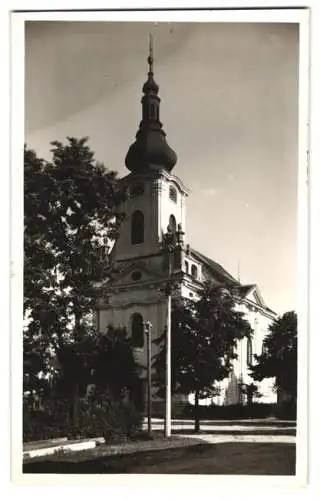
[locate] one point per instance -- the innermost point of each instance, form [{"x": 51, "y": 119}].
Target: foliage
[
  {"x": 250, "y": 391},
  {"x": 204, "y": 338},
  {"x": 279, "y": 355},
  {"x": 103, "y": 416},
  {"x": 231, "y": 412},
  {"x": 40, "y": 424},
  {"x": 100, "y": 416},
  {"x": 70, "y": 211}
]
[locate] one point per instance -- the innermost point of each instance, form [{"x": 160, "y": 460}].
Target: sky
[{"x": 229, "y": 106}]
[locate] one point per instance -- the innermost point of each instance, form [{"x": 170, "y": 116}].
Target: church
[{"x": 155, "y": 207}]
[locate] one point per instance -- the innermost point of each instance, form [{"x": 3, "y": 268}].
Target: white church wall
[
  {"x": 169, "y": 207},
  {"x": 121, "y": 316}
]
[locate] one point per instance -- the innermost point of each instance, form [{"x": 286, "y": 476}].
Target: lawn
[{"x": 200, "y": 458}]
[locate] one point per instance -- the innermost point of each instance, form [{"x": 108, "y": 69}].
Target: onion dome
[{"x": 150, "y": 151}]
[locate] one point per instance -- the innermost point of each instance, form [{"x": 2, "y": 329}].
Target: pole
[
  {"x": 149, "y": 376},
  {"x": 167, "y": 426}
]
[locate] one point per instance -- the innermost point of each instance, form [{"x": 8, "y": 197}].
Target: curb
[{"x": 63, "y": 448}]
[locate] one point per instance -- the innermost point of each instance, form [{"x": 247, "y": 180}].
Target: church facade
[{"x": 136, "y": 292}]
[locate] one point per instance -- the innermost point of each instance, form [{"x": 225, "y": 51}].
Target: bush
[
  {"x": 40, "y": 425},
  {"x": 229, "y": 412},
  {"x": 286, "y": 410},
  {"x": 109, "y": 419},
  {"x": 99, "y": 417}
]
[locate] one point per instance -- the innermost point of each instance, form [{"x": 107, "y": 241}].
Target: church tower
[{"x": 156, "y": 198}]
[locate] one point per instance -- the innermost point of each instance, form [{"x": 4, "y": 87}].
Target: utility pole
[
  {"x": 167, "y": 426},
  {"x": 147, "y": 329}
]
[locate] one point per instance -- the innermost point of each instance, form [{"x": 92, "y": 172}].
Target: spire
[
  {"x": 150, "y": 58},
  {"x": 150, "y": 151}
]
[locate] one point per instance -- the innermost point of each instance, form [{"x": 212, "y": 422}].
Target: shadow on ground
[{"x": 223, "y": 458}]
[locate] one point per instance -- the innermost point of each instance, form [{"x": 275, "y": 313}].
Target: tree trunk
[{"x": 196, "y": 413}]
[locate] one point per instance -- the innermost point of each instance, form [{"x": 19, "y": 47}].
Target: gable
[
  {"x": 133, "y": 274},
  {"x": 255, "y": 296}
]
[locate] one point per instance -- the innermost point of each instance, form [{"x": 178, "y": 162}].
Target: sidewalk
[
  {"x": 224, "y": 431},
  {"x": 250, "y": 427}
]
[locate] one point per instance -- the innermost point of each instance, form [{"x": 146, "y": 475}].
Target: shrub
[
  {"x": 286, "y": 410},
  {"x": 100, "y": 416},
  {"x": 40, "y": 425},
  {"x": 229, "y": 412}
]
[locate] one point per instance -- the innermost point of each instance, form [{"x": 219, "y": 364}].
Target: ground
[{"x": 201, "y": 458}]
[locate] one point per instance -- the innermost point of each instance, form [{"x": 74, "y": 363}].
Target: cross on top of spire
[{"x": 150, "y": 57}]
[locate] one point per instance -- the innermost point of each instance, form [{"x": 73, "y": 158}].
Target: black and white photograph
[{"x": 162, "y": 199}]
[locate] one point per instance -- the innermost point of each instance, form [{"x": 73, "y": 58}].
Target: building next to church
[{"x": 136, "y": 291}]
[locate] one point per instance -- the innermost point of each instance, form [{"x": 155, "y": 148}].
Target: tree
[
  {"x": 279, "y": 355},
  {"x": 115, "y": 370},
  {"x": 204, "y": 337},
  {"x": 250, "y": 391},
  {"x": 70, "y": 210}
]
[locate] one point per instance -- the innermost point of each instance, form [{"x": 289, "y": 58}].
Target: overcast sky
[{"x": 230, "y": 110}]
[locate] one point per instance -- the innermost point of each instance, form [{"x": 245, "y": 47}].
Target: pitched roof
[
  {"x": 244, "y": 290},
  {"x": 215, "y": 269},
  {"x": 222, "y": 276}
]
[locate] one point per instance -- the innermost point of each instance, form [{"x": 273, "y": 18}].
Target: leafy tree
[
  {"x": 250, "y": 391},
  {"x": 279, "y": 355},
  {"x": 70, "y": 210},
  {"x": 204, "y": 337},
  {"x": 114, "y": 370}
]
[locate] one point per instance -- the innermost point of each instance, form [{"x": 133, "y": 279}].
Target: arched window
[
  {"x": 137, "y": 330},
  {"x": 173, "y": 194},
  {"x": 186, "y": 265},
  {"x": 172, "y": 223},
  {"x": 154, "y": 111},
  {"x": 249, "y": 352},
  {"x": 194, "y": 271},
  {"x": 137, "y": 227}
]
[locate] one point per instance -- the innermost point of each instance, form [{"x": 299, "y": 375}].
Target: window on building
[
  {"x": 136, "y": 276},
  {"x": 249, "y": 352},
  {"x": 137, "y": 330},
  {"x": 194, "y": 271},
  {"x": 172, "y": 223},
  {"x": 173, "y": 194},
  {"x": 154, "y": 111},
  {"x": 137, "y": 227},
  {"x": 137, "y": 190},
  {"x": 186, "y": 266}
]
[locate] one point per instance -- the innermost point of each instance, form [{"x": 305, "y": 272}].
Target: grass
[
  {"x": 180, "y": 458},
  {"x": 123, "y": 447}
]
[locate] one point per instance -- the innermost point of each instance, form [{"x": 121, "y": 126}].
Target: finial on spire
[{"x": 150, "y": 58}]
